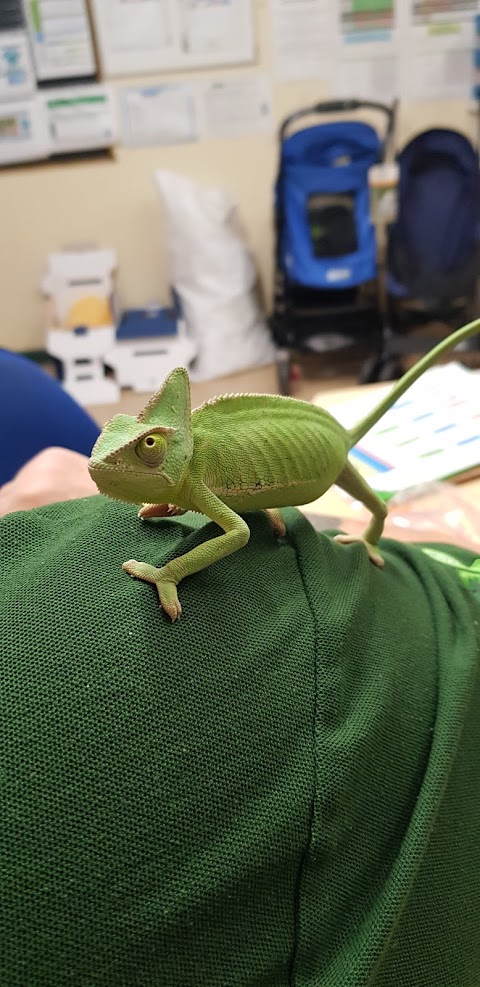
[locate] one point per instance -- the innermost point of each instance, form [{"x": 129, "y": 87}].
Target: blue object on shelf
[{"x": 146, "y": 323}]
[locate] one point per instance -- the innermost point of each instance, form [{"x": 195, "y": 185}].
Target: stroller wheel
[
  {"x": 390, "y": 369},
  {"x": 283, "y": 372}
]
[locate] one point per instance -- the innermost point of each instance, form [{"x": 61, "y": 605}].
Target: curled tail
[{"x": 364, "y": 426}]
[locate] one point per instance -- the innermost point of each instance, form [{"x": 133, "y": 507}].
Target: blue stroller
[
  {"x": 326, "y": 274},
  {"x": 433, "y": 260}
]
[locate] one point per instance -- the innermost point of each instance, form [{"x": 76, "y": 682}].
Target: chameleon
[{"x": 234, "y": 454}]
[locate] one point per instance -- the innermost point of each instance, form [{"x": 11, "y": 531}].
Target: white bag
[{"x": 214, "y": 276}]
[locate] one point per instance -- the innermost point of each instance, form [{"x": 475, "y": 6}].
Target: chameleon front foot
[
  {"x": 166, "y": 588},
  {"x": 159, "y": 510},
  {"x": 373, "y": 550}
]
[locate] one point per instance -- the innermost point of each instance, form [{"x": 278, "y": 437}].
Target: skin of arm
[
  {"x": 54, "y": 474},
  {"x": 236, "y": 454}
]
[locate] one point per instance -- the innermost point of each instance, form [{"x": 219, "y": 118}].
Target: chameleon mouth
[{"x": 124, "y": 485}]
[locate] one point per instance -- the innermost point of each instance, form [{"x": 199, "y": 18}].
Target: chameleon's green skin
[{"x": 235, "y": 454}]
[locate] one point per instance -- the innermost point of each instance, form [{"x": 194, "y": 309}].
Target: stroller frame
[
  {"x": 406, "y": 313},
  {"x": 300, "y": 313}
]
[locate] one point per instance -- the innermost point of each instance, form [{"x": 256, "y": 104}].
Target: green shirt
[{"x": 280, "y": 790}]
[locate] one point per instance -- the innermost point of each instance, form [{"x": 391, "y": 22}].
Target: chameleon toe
[{"x": 373, "y": 551}]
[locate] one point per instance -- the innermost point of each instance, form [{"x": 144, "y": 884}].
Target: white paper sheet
[
  {"x": 162, "y": 114},
  {"x": 211, "y": 26},
  {"x": 80, "y": 118},
  {"x": 234, "y": 107},
  {"x": 142, "y": 36},
  {"x": 302, "y": 37},
  {"x": 437, "y": 25},
  {"x": 437, "y": 50},
  {"x": 376, "y": 78},
  {"x": 16, "y": 70},
  {"x": 61, "y": 39},
  {"x": 368, "y": 32},
  {"x": 23, "y": 131},
  {"x": 135, "y": 25},
  {"x": 437, "y": 75}
]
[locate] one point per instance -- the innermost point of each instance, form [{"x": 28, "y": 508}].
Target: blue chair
[{"x": 35, "y": 413}]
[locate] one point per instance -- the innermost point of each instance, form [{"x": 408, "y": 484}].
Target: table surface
[{"x": 334, "y": 503}]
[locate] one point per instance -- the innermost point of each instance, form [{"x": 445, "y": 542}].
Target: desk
[{"x": 337, "y": 505}]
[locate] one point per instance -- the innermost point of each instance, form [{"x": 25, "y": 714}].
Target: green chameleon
[{"x": 235, "y": 454}]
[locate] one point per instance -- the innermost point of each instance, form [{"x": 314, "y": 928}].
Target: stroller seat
[
  {"x": 433, "y": 255},
  {"x": 326, "y": 283},
  {"x": 327, "y": 239}
]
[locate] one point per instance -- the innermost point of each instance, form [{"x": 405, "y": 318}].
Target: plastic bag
[{"x": 214, "y": 277}]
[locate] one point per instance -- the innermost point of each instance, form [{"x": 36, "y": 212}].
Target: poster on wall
[
  {"x": 80, "y": 118},
  {"x": 237, "y": 106},
  {"x": 138, "y": 37},
  {"x": 370, "y": 78},
  {"x": 442, "y": 24},
  {"x": 302, "y": 32},
  {"x": 61, "y": 39},
  {"x": 371, "y": 23},
  {"x": 158, "y": 115},
  {"x": 23, "y": 131},
  {"x": 439, "y": 40},
  {"x": 16, "y": 70}
]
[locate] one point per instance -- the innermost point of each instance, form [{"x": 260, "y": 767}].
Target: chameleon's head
[{"x": 144, "y": 459}]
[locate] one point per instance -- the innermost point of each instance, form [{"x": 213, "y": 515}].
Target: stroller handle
[{"x": 344, "y": 106}]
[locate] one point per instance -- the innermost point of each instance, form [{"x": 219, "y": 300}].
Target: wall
[{"x": 115, "y": 203}]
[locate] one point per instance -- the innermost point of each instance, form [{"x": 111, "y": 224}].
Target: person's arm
[{"x": 52, "y": 475}]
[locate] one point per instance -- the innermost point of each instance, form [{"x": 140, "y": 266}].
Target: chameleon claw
[
  {"x": 277, "y": 522},
  {"x": 373, "y": 551},
  {"x": 166, "y": 588},
  {"x": 159, "y": 510}
]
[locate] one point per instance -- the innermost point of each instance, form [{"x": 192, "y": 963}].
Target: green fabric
[{"x": 281, "y": 789}]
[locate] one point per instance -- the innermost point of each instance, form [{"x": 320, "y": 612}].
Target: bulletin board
[{"x": 147, "y": 36}]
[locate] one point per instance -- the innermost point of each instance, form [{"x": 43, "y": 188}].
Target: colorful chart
[{"x": 367, "y": 20}]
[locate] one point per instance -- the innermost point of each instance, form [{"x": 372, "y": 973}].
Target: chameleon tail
[{"x": 410, "y": 377}]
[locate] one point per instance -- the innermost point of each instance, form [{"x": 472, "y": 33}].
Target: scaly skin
[{"x": 233, "y": 455}]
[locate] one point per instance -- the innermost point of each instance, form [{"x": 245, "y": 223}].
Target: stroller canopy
[
  {"x": 326, "y": 238},
  {"x": 433, "y": 246}
]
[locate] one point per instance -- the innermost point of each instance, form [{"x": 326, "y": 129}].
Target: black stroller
[{"x": 433, "y": 259}]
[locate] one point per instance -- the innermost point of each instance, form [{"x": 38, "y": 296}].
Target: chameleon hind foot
[
  {"x": 166, "y": 588},
  {"x": 373, "y": 550},
  {"x": 277, "y": 522}
]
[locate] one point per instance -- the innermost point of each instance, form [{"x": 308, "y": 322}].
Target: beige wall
[{"x": 115, "y": 203}]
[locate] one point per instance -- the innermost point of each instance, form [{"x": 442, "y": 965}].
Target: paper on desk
[
  {"x": 237, "y": 106},
  {"x": 431, "y": 433},
  {"x": 162, "y": 114}
]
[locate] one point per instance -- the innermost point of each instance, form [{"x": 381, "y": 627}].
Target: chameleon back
[{"x": 260, "y": 450}]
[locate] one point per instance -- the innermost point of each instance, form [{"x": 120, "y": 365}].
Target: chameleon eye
[{"x": 151, "y": 449}]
